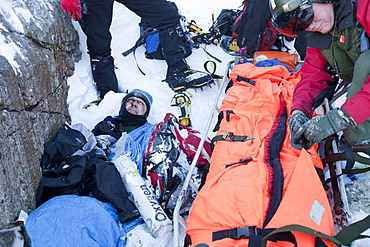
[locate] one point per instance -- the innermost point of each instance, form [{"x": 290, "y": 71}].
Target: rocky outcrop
[{"x": 38, "y": 48}]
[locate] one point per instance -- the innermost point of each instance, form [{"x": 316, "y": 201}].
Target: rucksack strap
[
  {"x": 138, "y": 43},
  {"x": 345, "y": 237}
]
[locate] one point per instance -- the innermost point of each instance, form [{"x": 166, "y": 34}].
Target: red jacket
[
  {"x": 314, "y": 78},
  {"x": 363, "y": 10}
]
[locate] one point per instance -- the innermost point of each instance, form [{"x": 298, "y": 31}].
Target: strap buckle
[
  {"x": 229, "y": 136},
  {"x": 236, "y": 233},
  {"x": 244, "y": 232}
]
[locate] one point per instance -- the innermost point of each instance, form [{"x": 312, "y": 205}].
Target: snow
[
  {"x": 8, "y": 11},
  {"x": 125, "y": 32},
  {"x": 9, "y": 51}
]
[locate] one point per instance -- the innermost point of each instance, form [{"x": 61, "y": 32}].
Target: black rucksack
[
  {"x": 249, "y": 28},
  {"x": 225, "y": 21},
  {"x": 150, "y": 39}
]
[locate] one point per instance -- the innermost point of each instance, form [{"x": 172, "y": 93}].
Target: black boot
[
  {"x": 104, "y": 75},
  {"x": 180, "y": 77}
]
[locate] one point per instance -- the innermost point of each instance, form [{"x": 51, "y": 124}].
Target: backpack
[
  {"x": 150, "y": 38},
  {"x": 151, "y": 41},
  {"x": 268, "y": 38},
  {"x": 225, "y": 21},
  {"x": 249, "y": 27}
]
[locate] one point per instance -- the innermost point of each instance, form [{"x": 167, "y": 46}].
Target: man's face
[
  {"x": 135, "y": 106},
  {"x": 323, "y": 20}
]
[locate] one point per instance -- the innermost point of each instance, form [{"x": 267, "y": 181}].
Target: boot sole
[{"x": 195, "y": 86}]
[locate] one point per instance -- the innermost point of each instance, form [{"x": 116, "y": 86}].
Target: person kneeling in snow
[{"x": 337, "y": 49}]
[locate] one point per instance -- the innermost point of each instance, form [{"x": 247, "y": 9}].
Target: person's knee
[
  {"x": 167, "y": 16},
  {"x": 363, "y": 62},
  {"x": 362, "y": 68}
]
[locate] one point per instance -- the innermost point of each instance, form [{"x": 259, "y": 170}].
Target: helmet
[{"x": 291, "y": 16}]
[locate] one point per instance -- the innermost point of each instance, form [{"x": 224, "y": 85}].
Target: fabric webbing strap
[
  {"x": 344, "y": 237},
  {"x": 254, "y": 235},
  {"x": 229, "y": 137},
  {"x": 236, "y": 233},
  {"x": 350, "y": 157}
]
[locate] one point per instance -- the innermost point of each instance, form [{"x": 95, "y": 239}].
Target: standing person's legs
[
  {"x": 164, "y": 16},
  {"x": 95, "y": 23}
]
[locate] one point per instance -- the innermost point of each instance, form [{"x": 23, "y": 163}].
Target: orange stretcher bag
[{"x": 257, "y": 182}]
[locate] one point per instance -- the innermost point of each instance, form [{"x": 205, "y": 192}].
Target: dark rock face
[{"x": 38, "y": 49}]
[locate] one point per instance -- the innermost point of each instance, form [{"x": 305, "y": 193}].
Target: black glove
[
  {"x": 295, "y": 122},
  {"x": 318, "y": 128},
  {"x": 109, "y": 126}
]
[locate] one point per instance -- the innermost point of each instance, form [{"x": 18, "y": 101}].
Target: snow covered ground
[{"x": 125, "y": 31}]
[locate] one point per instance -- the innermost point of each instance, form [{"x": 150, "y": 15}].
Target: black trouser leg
[
  {"x": 172, "y": 46},
  {"x": 103, "y": 72},
  {"x": 95, "y": 24}
]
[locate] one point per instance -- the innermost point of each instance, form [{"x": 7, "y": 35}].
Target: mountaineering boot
[
  {"x": 180, "y": 77},
  {"x": 102, "y": 68}
]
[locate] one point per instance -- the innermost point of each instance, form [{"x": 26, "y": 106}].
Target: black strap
[
  {"x": 240, "y": 78},
  {"x": 345, "y": 237},
  {"x": 209, "y": 54},
  {"x": 241, "y": 161},
  {"x": 321, "y": 175},
  {"x": 259, "y": 237},
  {"x": 219, "y": 119},
  {"x": 236, "y": 233},
  {"x": 138, "y": 43},
  {"x": 229, "y": 137},
  {"x": 132, "y": 49},
  {"x": 213, "y": 66},
  {"x": 350, "y": 158},
  {"x": 228, "y": 113},
  {"x": 187, "y": 240},
  {"x": 254, "y": 234}
]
